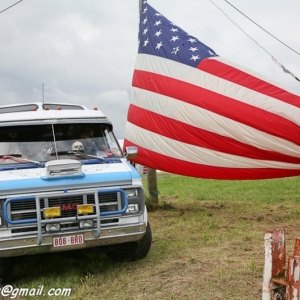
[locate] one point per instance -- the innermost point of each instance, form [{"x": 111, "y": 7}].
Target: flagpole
[
  {"x": 151, "y": 173},
  {"x": 140, "y": 5}
]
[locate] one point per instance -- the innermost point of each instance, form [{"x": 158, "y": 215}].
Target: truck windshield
[{"x": 41, "y": 143}]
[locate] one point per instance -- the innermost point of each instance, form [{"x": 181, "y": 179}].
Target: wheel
[
  {"x": 6, "y": 267},
  {"x": 134, "y": 250}
]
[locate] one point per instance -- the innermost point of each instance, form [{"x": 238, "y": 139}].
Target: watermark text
[{"x": 13, "y": 292}]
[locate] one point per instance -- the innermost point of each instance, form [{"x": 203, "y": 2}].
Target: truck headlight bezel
[
  {"x": 133, "y": 208},
  {"x": 84, "y": 224},
  {"x": 132, "y": 193},
  {"x": 136, "y": 200},
  {"x": 52, "y": 227}
]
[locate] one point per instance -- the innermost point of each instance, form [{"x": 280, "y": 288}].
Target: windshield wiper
[
  {"x": 76, "y": 153},
  {"x": 17, "y": 157}
]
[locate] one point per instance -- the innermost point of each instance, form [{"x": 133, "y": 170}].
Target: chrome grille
[{"x": 23, "y": 210}]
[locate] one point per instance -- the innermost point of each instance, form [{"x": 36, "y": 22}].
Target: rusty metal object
[
  {"x": 274, "y": 269},
  {"x": 280, "y": 282}
]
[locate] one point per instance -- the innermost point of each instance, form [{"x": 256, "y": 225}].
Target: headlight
[
  {"x": 53, "y": 227},
  {"x": 132, "y": 193},
  {"x": 132, "y": 209},
  {"x": 86, "y": 224}
]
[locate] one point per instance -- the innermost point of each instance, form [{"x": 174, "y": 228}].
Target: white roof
[{"x": 42, "y": 114}]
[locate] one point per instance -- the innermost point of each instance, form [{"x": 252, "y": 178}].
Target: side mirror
[{"x": 131, "y": 152}]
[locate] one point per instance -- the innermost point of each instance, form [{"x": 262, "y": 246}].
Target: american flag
[{"x": 195, "y": 113}]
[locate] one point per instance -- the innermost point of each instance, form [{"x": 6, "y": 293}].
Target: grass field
[{"x": 208, "y": 243}]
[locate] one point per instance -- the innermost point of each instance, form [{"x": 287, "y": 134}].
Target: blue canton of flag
[{"x": 158, "y": 36}]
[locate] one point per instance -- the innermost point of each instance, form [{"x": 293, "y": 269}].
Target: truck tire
[
  {"x": 6, "y": 267},
  {"x": 134, "y": 250}
]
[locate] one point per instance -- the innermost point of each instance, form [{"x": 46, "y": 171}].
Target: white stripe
[
  {"x": 179, "y": 71},
  {"x": 193, "y": 154},
  {"x": 250, "y": 72},
  {"x": 210, "y": 121}
]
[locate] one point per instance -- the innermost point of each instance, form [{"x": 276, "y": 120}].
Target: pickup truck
[{"x": 66, "y": 184}]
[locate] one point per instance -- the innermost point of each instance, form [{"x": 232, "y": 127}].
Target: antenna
[{"x": 43, "y": 94}]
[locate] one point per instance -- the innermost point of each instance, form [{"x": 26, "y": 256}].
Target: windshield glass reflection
[{"x": 41, "y": 143}]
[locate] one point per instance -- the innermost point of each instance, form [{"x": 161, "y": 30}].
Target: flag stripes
[
  {"x": 167, "y": 154},
  {"x": 189, "y": 134},
  {"x": 233, "y": 73},
  {"x": 217, "y": 85},
  {"x": 197, "y": 114}
]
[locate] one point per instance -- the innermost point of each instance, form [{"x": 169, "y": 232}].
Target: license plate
[{"x": 68, "y": 240}]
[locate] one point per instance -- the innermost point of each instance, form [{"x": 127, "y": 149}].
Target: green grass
[
  {"x": 191, "y": 189},
  {"x": 208, "y": 243}
]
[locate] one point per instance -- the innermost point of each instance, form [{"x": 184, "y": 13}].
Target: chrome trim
[
  {"x": 131, "y": 152},
  {"x": 109, "y": 236}
]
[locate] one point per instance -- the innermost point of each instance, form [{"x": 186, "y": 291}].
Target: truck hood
[{"x": 92, "y": 176}]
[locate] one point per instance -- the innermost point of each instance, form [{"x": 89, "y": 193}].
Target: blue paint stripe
[
  {"x": 134, "y": 173},
  {"x": 42, "y": 164},
  {"x": 33, "y": 183}
]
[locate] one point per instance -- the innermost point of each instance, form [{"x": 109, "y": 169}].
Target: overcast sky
[{"x": 84, "y": 51}]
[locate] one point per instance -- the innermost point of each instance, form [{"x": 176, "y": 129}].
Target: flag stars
[
  {"x": 158, "y": 45},
  {"x": 192, "y": 40},
  {"x": 158, "y": 33},
  {"x": 193, "y": 49},
  {"x": 175, "y": 50},
  {"x": 145, "y": 20},
  {"x": 195, "y": 57},
  {"x": 157, "y": 23},
  {"x": 158, "y": 36},
  {"x": 145, "y": 31},
  {"x": 174, "y": 38}
]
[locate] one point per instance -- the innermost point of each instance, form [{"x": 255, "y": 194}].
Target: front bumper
[{"x": 108, "y": 236}]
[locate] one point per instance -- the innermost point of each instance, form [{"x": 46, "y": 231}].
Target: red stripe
[
  {"x": 176, "y": 166},
  {"x": 195, "y": 136},
  {"x": 225, "y": 106},
  {"x": 239, "y": 77}
]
